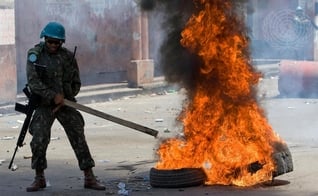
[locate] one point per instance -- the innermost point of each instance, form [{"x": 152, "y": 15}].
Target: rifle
[{"x": 27, "y": 109}]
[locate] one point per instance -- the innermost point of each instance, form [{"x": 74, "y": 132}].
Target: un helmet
[
  {"x": 53, "y": 30},
  {"x": 299, "y": 8}
]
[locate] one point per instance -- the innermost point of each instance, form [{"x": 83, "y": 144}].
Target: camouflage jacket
[{"x": 49, "y": 74}]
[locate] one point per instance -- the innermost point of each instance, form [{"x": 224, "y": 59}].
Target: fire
[{"x": 225, "y": 131}]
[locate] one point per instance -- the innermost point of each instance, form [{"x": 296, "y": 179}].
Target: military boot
[
  {"x": 38, "y": 183},
  {"x": 90, "y": 181}
]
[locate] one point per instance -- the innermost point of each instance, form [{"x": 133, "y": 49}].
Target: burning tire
[
  {"x": 283, "y": 159},
  {"x": 177, "y": 178}
]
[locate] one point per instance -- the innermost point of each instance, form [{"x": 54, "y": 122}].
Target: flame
[{"x": 225, "y": 131}]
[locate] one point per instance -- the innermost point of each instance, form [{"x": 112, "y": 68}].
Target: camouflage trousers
[{"x": 73, "y": 124}]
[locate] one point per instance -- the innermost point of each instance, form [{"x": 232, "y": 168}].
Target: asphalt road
[{"x": 125, "y": 156}]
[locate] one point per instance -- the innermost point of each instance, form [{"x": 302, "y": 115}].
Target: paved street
[{"x": 124, "y": 155}]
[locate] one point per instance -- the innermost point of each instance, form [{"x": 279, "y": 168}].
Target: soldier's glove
[{"x": 59, "y": 99}]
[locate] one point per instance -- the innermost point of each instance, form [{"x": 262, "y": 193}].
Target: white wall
[{"x": 7, "y": 34}]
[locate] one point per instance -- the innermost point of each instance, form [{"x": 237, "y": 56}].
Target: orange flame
[{"x": 225, "y": 130}]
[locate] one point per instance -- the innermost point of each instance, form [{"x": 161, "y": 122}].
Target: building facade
[{"x": 112, "y": 36}]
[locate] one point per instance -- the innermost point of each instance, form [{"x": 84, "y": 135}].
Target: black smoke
[
  {"x": 177, "y": 63},
  {"x": 147, "y": 4}
]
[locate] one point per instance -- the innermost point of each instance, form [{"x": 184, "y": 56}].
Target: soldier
[{"x": 53, "y": 74}]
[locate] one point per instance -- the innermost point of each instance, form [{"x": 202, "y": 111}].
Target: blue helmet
[
  {"x": 299, "y": 8},
  {"x": 53, "y": 30}
]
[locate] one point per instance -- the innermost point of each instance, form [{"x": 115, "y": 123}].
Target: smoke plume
[{"x": 178, "y": 64}]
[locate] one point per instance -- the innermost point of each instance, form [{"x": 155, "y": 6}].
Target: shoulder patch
[{"x": 32, "y": 57}]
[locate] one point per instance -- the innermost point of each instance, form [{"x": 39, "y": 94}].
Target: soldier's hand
[{"x": 59, "y": 99}]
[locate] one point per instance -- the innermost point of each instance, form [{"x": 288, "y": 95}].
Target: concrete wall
[
  {"x": 8, "y": 82},
  {"x": 275, "y": 34},
  {"x": 101, "y": 30}
]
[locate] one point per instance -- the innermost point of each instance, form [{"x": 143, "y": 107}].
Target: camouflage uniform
[{"x": 48, "y": 74}]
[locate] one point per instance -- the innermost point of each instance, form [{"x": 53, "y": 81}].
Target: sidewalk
[{"x": 102, "y": 92}]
